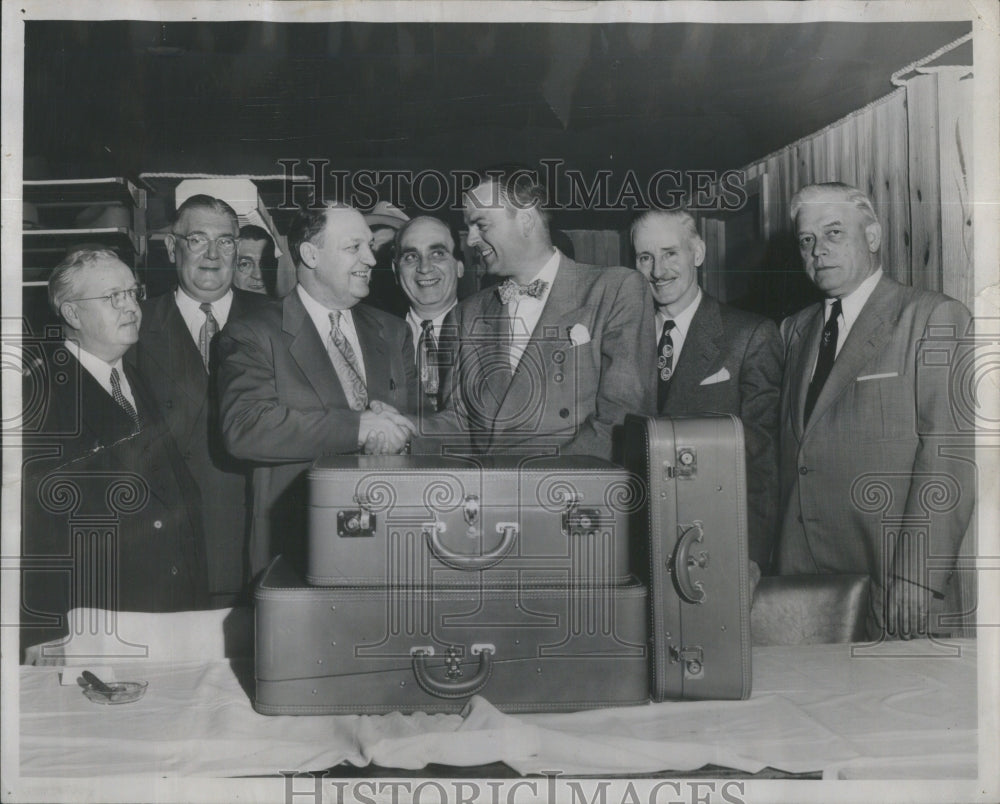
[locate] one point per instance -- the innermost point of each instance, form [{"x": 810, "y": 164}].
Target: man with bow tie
[
  {"x": 876, "y": 476},
  {"x": 111, "y": 513},
  {"x": 315, "y": 374},
  {"x": 552, "y": 359},
  {"x": 712, "y": 358},
  {"x": 428, "y": 269}
]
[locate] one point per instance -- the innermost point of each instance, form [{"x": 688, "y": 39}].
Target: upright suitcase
[
  {"x": 427, "y": 520},
  {"x": 353, "y": 650},
  {"x": 695, "y": 558}
]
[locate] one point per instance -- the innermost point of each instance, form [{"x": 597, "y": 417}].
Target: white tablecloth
[{"x": 898, "y": 710}]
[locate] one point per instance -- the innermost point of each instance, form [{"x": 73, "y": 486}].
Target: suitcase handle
[
  {"x": 691, "y": 592},
  {"x": 471, "y": 562},
  {"x": 451, "y": 687}
]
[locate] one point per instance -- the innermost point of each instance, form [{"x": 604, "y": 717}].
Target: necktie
[
  {"x": 345, "y": 362},
  {"x": 664, "y": 362},
  {"x": 429, "y": 363},
  {"x": 827, "y": 354},
  {"x": 510, "y": 290},
  {"x": 208, "y": 331},
  {"x": 122, "y": 400}
]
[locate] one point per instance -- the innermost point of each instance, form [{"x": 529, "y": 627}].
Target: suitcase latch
[
  {"x": 576, "y": 519},
  {"x": 693, "y": 658},
  {"x": 355, "y": 522},
  {"x": 470, "y": 510},
  {"x": 685, "y": 465}
]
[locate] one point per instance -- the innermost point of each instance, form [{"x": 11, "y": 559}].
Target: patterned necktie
[
  {"x": 664, "y": 362},
  {"x": 345, "y": 362},
  {"x": 122, "y": 400},
  {"x": 824, "y": 363},
  {"x": 510, "y": 290},
  {"x": 208, "y": 331},
  {"x": 429, "y": 363}
]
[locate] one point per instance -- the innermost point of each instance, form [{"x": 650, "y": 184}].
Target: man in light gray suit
[
  {"x": 874, "y": 477},
  {"x": 713, "y": 358}
]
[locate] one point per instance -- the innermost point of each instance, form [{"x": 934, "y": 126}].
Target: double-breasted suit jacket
[
  {"x": 582, "y": 370},
  {"x": 110, "y": 516},
  {"x": 170, "y": 359},
  {"x": 731, "y": 363},
  {"x": 282, "y": 406},
  {"x": 883, "y": 453}
]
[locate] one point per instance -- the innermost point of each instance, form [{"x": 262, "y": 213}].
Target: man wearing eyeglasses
[
  {"x": 97, "y": 450},
  {"x": 428, "y": 272},
  {"x": 175, "y": 352}
]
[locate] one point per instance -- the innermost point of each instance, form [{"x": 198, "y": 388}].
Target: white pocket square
[
  {"x": 720, "y": 376},
  {"x": 579, "y": 335},
  {"x": 878, "y": 376}
]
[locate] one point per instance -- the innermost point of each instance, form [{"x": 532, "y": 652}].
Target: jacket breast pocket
[{"x": 885, "y": 408}]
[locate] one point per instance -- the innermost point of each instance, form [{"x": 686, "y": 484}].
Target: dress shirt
[
  {"x": 100, "y": 370},
  {"x": 850, "y": 309},
  {"x": 682, "y": 323},
  {"x": 194, "y": 316},
  {"x": 320, "y": 316},
  {"x": 524, "y": 311},
  {"x": 417, "y": 330}
]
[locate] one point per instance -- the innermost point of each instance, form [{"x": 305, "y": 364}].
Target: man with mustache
[
  {"x": 176, "y": 353},
  {"x": 712, "y": 358},
  {"x": 428, "y": 271},
  {"x": 551, "y": 360},
  {"x": 316, "y": 374},
  {"x": 111, "y": 513},
  {"x": 876, "y": 477}
]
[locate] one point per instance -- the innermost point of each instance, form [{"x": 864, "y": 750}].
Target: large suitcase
[
  {"x": 422, "y": 519},
  {"x": 339, "y": 650},
  {"x": 695, "y": 558}
]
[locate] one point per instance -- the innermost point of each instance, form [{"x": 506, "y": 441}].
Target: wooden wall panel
[
  {"x": 925, "y": 178},
  {"x": 955, "y": 148}
]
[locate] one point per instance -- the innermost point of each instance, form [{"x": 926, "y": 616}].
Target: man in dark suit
[
  {"x": 317, "y": 374},
  {"x": 428, "y": 268},
  {"x": 874, "y": 475},
  {"x": 713, "y": 359},
  {"x": 110, "y": 511},
  {"x": 552, "y": 359},
  {"x": 175, "y": 354}
]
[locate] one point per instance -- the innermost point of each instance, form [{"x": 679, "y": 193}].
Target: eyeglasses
[
  {"x": 117, "y": 299},
  {"x": 199, "y": 243},
  {"x": 245, "y": 265}
]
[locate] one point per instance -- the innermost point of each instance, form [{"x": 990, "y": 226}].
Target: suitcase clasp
[
  {"x": 692, "y": 656},
  {"x": 685, "y": 466},
  {"x": 355, "y": 522},
  {"x": 470, "y": 510}
]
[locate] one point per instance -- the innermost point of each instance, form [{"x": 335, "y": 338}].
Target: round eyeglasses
[
  {"x": 118, "y": 297},
  {"x": 199, "y": 243}
]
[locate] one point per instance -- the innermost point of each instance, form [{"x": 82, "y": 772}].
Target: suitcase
[
  {"x": 343, "y": 650},
  {"x": 426, "y": 520},
  {"x": 691, "y": 536}
]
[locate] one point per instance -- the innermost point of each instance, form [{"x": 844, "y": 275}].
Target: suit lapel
[
  {"x": 373, "y": 352},
  {"x": 803, "y": 349},
  {"x": 489, "y": 344},
  {"x": 866, "y": 338},
  {"x": 171, "y": 348},
  {"x": 309, "y": 352},
  {"x": 700, "y": 351},
  {"x": 100, "y": 413}
]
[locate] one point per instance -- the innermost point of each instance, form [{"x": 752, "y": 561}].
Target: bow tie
[{"x": 510, "y": 290}]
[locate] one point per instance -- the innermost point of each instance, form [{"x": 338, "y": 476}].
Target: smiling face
[
  {"x": 100, "y": 328},
  {"x": 668, "y": 255},
  {"x": 207, "y": 276},
  {"x": 838, "y": 244},
  {"x": 339, "y": 260},
  {"x": 496, "y": 232},
  {"x": 426, "y": 267}
]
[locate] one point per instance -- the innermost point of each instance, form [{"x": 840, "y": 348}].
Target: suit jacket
[
  {"x": 567, "y": 393},
  {"x": 731, "y": 363},
  {"x": 110, "y": 517},
  {"x": 282, "y": 406},
  {"x": 169, "y": 358},
  {"x": 882, "y": 444}
]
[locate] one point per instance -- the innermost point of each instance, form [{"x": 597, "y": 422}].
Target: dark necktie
[
  {"x": 827, "y": 354},
  {"x": 510, "y": 290},
  {"x": 664, "y": 362},
  {"x": 208, "y": 331},
  {"x": 429, "y": 364},
  {"x": 122, "y": 400}
]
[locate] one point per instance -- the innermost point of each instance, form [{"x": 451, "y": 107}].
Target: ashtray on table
[{"x": 122, "y": 692}]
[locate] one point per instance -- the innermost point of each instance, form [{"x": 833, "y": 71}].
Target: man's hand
[
  {"x": 907, "y": 609},
  {"x": 385, "y": 431}
]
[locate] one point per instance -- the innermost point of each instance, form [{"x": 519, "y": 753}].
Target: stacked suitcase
[{"x": 543, "y": 584}]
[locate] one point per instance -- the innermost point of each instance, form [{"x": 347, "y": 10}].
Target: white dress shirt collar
[
  {"x": 524, "y": 311},
  {"x": 320, "y": 316},
  {"x": 682, "y": 323},
  {"x": 100, "y": 369},
  {"x": 194, "y": 318},
  {"x": 851, "y": 306},
  {"x": 415, "y": 321}
]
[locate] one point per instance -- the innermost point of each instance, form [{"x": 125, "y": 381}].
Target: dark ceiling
[{"x": 128, "y": 97}]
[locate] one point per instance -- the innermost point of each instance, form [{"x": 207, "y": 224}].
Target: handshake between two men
[{"x": 383, "y": 430}]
